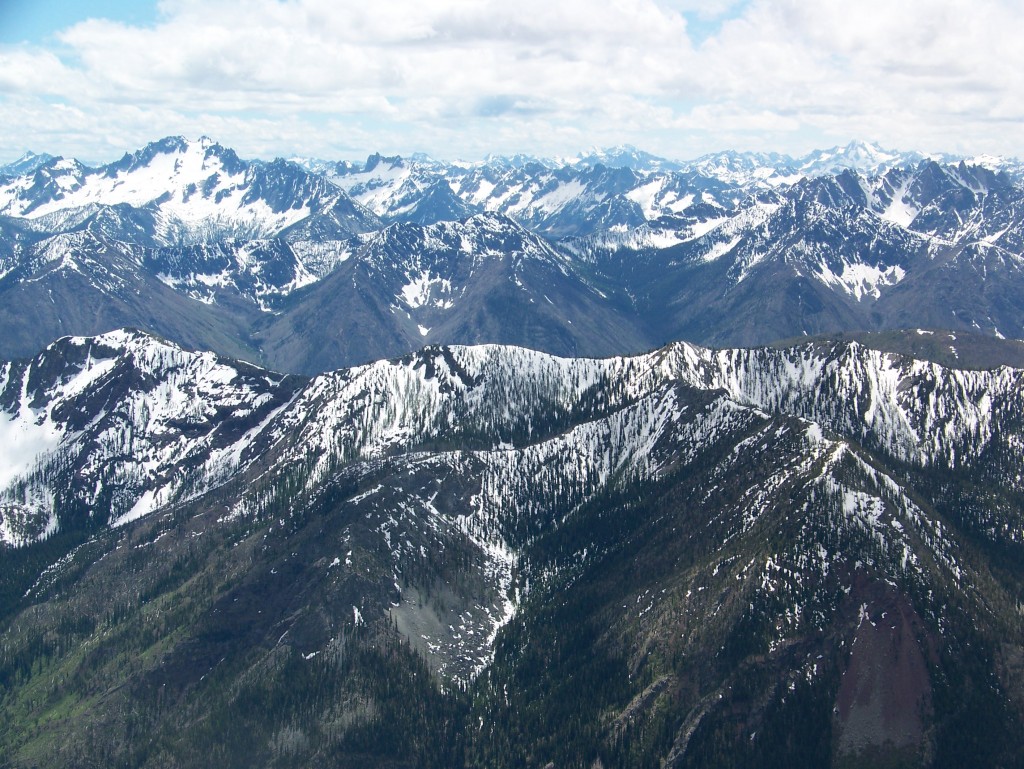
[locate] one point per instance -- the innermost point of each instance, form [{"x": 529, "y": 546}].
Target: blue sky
[
  {"x": 464, "y": 78},
  {"x": 36, "y": 21}
]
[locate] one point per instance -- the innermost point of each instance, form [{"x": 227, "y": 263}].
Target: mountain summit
[{"x": 193, "y": 191}]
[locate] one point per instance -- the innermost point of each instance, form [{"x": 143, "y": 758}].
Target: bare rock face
[{"x": 884, "y": 706}]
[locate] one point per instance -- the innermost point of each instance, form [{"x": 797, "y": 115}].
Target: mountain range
[
  {"x": 489, "y": 555},
  {"x": 614, "y": 461},
  {"x": 255, "y": 260}
]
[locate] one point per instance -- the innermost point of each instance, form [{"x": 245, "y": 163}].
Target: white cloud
[
  {"x": 24, "y": 70},
  {"x": 463, "y": 77},
  {"x": 400, "y": 47}
]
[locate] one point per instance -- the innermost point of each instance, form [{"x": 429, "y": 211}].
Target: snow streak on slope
[
  {"x": 915, "y": 411},
  {"x": 191, "y": 408}
]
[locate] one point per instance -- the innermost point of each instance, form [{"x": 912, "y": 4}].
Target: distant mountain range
[{"x": 308, "y": 267}]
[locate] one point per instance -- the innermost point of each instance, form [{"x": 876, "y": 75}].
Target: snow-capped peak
[
  {"x": 199, "y": 190},
  {"x": 868, "y": 158}
]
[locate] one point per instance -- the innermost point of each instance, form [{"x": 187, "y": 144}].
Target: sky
[{"x": 338, "y": 79}]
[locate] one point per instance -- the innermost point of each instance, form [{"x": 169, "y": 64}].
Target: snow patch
[{"x": 861, "y": 280}]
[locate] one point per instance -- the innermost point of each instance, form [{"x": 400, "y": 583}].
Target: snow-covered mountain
[
  {"x": 117, "y": 425},
  {"x": 585, "y": 197},
  {"x": 86, "y": 283},
  {"x": 747, "y": 169},
  {"x": 625, "y": 156},
  {"x": 487, "y": 555},
  {"x": 736, "y": 248},
  {"x": 26, "y": 164},
  {"x": 195, "y": 191},
  {"x": 718, "y": 517},
  {"x": 483, "y": 279},
  {"x": 91, "y": 410},
  {"x": 867, "y": 158},
  {"x": 545, "y": 194},
  {"x": 263, "y": 272},
  {"x": 769, "y": 169},
  {"x": 198, "y": 191},
  {"x": 934, "y": 246}
]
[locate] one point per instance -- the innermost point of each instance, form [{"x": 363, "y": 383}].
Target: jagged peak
[
  {"x": 867, "y": 149},
  {"x": 486, "y": 221},
  {"x": 204, "y": 146},
  {"x": 518, "y": 160},
  {"x": 623, "y": 156},
  {"x": 376, "y": 159},
  {"x": 28, "y": 163}
]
